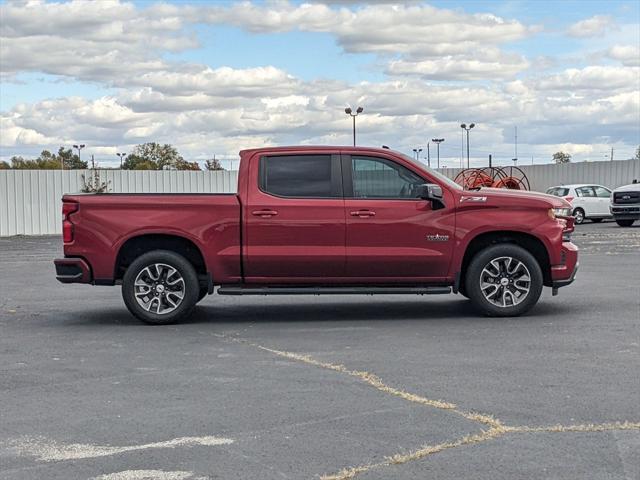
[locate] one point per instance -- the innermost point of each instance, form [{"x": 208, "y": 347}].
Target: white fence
[{"x": 30, "y": 199}]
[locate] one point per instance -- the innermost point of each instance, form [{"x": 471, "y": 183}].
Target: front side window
[
  {"x": 602, "y": 192},
  {"x": 381, "y": 178},
  {"x": 300, "y": 176}
]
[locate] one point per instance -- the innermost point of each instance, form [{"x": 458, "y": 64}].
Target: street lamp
[
  {"x": 416, "y": 152},
  {"x": 348, "y": 111},
  {"x": 438, "y": 141},
  {"x": 79, "y": 148},
  {"x": 121, "y": 155},
  {"x": 464, "y": 127}
]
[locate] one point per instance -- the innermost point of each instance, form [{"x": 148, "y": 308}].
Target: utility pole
[
  {"x": 428, "y": 155},
  {"x": 121, "y": 156},
  {"x": 93, "y": 163},
  {"x": 438, "y": 141},
  {"x": 348, "y": 111},
  {"x": 79, "y": 148},
  {"x": 612, "y": 154},
  {"x": 515, "y": 159},
  {"x": 464, "y": 127}
]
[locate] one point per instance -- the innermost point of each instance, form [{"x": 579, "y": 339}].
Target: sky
[{"x": 213, "y": 78}]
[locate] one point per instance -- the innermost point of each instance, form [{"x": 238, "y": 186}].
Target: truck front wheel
[
  {"x": 625, "y": 223},
  {"x": 160, "y": 287},
  {"x": 504, "y": 280}
]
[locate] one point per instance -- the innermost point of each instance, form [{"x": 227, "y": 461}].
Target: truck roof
[{"x": 317, "y": 148}]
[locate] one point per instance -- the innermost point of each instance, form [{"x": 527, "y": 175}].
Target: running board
[{"x": 244, "y": 290}]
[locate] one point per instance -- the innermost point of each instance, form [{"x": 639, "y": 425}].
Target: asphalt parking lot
[{"x": 388, "y": 387}]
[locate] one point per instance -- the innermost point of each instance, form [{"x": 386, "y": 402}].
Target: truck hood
[
  {"x": 632, "y": 187},
  {"x": 505, "y": 196}
]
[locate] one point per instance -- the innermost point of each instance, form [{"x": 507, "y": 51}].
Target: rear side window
[
  {"x": 558, "y": 191},
  {"x": 300, "y": 176},
  {"x": 585, "y": 192}
]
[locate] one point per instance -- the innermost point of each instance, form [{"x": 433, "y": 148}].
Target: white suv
[{"x": 588, "y": 201}]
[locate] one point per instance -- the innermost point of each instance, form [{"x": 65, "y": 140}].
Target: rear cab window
[{"x": 301, "y": 176}]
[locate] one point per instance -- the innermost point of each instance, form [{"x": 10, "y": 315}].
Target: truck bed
[{"x": 104, "y": 223}]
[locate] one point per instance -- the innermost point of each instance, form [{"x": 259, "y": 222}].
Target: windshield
[{"x": 432, "y": 172}]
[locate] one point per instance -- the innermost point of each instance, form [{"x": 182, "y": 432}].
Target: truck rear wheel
[
  {"x": 504, "y": 280},
  {"x": 160, "y": 287}
]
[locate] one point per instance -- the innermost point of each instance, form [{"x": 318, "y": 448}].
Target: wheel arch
[
  {"x": 529, "y": 242},
  {"x": 138, "y": 245}
]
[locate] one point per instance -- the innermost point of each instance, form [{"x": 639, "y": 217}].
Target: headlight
[{"x": 559, "y": 212}]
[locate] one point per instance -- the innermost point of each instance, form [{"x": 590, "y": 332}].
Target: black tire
[
  {"x": 203, "y": 293},
  {"x": 475, "y": 273},
  {"x": 596, "y": 220},
  {"x": 625, "y": 223},
  {"x": 189, "y": 284},
  {"x": 578, "y": 215}
]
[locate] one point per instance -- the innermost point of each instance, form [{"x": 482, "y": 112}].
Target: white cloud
[
  {"x": 628, "y": 55},
  {"x": 488, "y": 64},
  {"x": 596, "y": 77},
  {"x": 595, "y": 26},
  {"x": 207, "y": 109}
]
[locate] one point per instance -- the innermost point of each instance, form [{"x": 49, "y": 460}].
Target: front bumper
[
  {"x": 564, "y": 274},
  {"x": 72, "y": 270},
  {"x": 627, "y": 212}
]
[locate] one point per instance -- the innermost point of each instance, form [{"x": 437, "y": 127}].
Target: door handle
[
  {"x": 363, "y": 213},
  {"x": 264, "y": 213}
]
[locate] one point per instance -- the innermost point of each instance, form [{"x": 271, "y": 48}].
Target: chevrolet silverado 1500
[{"x": 321, "y": 220}]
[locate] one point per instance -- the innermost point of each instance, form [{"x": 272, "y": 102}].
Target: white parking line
[
  {"x": 50, "y": 451},
  {"x": 149, "y": 475}
]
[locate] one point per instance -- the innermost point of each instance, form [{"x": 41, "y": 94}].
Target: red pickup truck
[{"x": 321, "y": 220}]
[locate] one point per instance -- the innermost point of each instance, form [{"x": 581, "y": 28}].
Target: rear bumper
[
  {"x": 72, "y": 270},
  {"x": 564, "y": 274}
]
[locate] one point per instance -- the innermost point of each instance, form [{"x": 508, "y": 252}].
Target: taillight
[
  {"x": 569, "y": 199},
  {"x": 67, "y": 227}
]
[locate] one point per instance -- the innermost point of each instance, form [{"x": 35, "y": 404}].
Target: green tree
[
  {"x": 152, "y": 154},
  {"x": 134, "y": 162},
  {"x": 70, "y": 159},
  {"x": 182, "y": 164},
  {"x": 4, "y": 165},
  {"x": 561, "y": 157},
  {"x": 638, "y": 153},
  {"x": 213, "y": 164}
]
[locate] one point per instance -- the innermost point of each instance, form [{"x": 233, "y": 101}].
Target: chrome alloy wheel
[
  {"x": 505, "y": 282},
  {"x": 159, "y": 288}
]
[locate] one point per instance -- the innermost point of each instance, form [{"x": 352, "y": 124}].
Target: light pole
[
  {"x": 438, "y": 141},
  {"x": 348, "y": 111},
  {"x": 79, "y": 148},
  {"x": 464, "y": 127},
  {"x": 121, "y": 155},
  {"x": 416, "y": 152}
]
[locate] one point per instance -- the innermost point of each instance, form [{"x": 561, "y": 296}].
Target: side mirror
[{"x": 429, "y": 191}]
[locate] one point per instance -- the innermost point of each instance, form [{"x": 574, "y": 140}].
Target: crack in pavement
[{"x": 496, "y": 427}]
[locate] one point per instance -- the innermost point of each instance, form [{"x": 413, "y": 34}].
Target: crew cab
[{"x": 321, "y": 220}]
